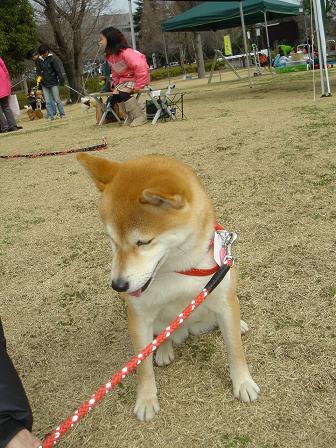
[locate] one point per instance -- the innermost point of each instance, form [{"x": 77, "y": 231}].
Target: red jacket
[
  {"x": 5, "y": 82},
  {"x": 129, "y": 65}
]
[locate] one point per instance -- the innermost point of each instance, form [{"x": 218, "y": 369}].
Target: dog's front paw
[
  {"x": 246, "y": 390},
  {"x": 164, "y": 354},
  {"x": 146, "y": 408}
]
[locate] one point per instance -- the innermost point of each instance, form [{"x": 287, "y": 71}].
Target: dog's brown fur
[{"x": 36, "y": 114}]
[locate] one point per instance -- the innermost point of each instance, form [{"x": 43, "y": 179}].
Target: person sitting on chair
[{"x": 130, "y": 73}]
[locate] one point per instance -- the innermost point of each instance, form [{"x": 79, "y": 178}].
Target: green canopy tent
[
  {"x": 221, "y": 14},
  {"x": 229, "y": 14}
]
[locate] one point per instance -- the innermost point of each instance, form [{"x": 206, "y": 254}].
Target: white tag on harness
[
  {"x": 219, "y": 250},
  {"x": 223, "y": 246}
]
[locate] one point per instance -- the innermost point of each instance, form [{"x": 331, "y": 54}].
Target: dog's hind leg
[{"x": 165, "y": 354}]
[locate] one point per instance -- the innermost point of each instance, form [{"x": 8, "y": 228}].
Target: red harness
[{"x": 204, "y": 272}]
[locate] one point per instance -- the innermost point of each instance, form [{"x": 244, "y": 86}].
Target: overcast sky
[{"x": 122, "y": 5}]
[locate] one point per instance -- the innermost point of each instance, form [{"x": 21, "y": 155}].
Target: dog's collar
[{"x": 195, "y": 272}]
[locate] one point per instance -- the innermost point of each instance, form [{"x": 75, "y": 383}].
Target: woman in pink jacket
[
  {"x": 129, "y": 72},
  {"x": 7, "y": 120}
]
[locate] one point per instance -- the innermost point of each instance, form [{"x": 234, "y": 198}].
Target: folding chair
[{"x": 105, "y": 107}]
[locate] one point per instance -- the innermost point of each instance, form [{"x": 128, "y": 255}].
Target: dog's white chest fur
[{"x": 168, "y": 296}]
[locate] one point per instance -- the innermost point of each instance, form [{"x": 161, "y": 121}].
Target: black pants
[
  {"x": 120, "y": 97},
  {"x": 15, "y": 412},
  {"x": 7, "y": 119}
]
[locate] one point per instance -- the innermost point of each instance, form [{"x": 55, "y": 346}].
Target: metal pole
[
  {"x": 228, "y": 63},
  {"x": 323, "y": 44},
  {"x": 268, "y": 44},
  {"x": 305, "y": 24},
  {"x": 245, "y": 41},
  {"x": 312, "y": 45},
  {"x": 131, "y": 22},
  {"x": 217, "y": 54},
  {"x": 319, "y": 48},
  {"x": 166, "y": 55}
]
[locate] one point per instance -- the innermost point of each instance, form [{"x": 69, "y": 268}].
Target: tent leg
[
  {"x": 231, "y": 67},
  {"x": 228, "y": 63},
  {"x": 323, "y": 45},
  {"x": 268, "y": 45},
  {"x": 245, "y": 41},
  {"x": 319, "y": 47},
  {"x": 212, "y": 67},
  {"x": 312, "y": 46},
  {"x": 218, "y": 53}
]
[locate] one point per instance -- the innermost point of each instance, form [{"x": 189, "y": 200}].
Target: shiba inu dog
[{"x": 160, "y": 221}]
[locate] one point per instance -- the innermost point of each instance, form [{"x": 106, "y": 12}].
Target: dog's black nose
[{"x": 120, "y": 285}]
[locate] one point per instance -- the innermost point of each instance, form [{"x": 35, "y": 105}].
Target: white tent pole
[
  {"x": 323, "y": 44},
  {"x": 319, "y": 49},
  {"x": 312, "y": 45},
  {"x": 245, "y": 40},
  {"x": 131, "y": 22},
  {"x": 268, "y": 44}
]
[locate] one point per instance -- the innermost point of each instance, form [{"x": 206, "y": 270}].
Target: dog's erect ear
[
  {"x": 159, "y": 198},
  {"x": 101, "y": 170}
]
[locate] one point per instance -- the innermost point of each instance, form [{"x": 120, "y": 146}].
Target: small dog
[
  {"x": 87, "y": 105},
  {"x": 159, "y": 221},
  {"x": 34, "y": 114}
]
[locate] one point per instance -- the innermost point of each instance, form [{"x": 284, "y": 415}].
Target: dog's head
[{"x": 149, "y": 207}]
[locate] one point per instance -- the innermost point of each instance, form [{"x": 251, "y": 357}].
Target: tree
[
  {"x": 179, "y": 45},
  {"x": 137, "y": 16},
  {"x": 67, "y": 20},
  {"x": 151, "y": 36},
  {"x": 17, "y": 36},
  {"x": 330, "y": 6}
]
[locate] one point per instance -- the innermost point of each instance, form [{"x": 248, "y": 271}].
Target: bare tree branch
[{"x": 40, "y": 2}]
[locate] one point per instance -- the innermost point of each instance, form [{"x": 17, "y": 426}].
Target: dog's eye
[{"x": 143, "y": 243}]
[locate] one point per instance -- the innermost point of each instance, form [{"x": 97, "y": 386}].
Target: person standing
[
  {"x": 7, "y": 119},
  {"x": 35, "y": 57},
  {"x": 50, "y": 71},
  {"x": 130, "y": 73}
]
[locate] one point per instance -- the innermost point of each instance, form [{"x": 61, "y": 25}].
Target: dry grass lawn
[{"x": 267, "y": 157}]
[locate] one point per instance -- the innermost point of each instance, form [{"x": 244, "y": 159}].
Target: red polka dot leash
[
  {"x": 227, "y": 239},
  {"x": 98, "y": 147}
]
